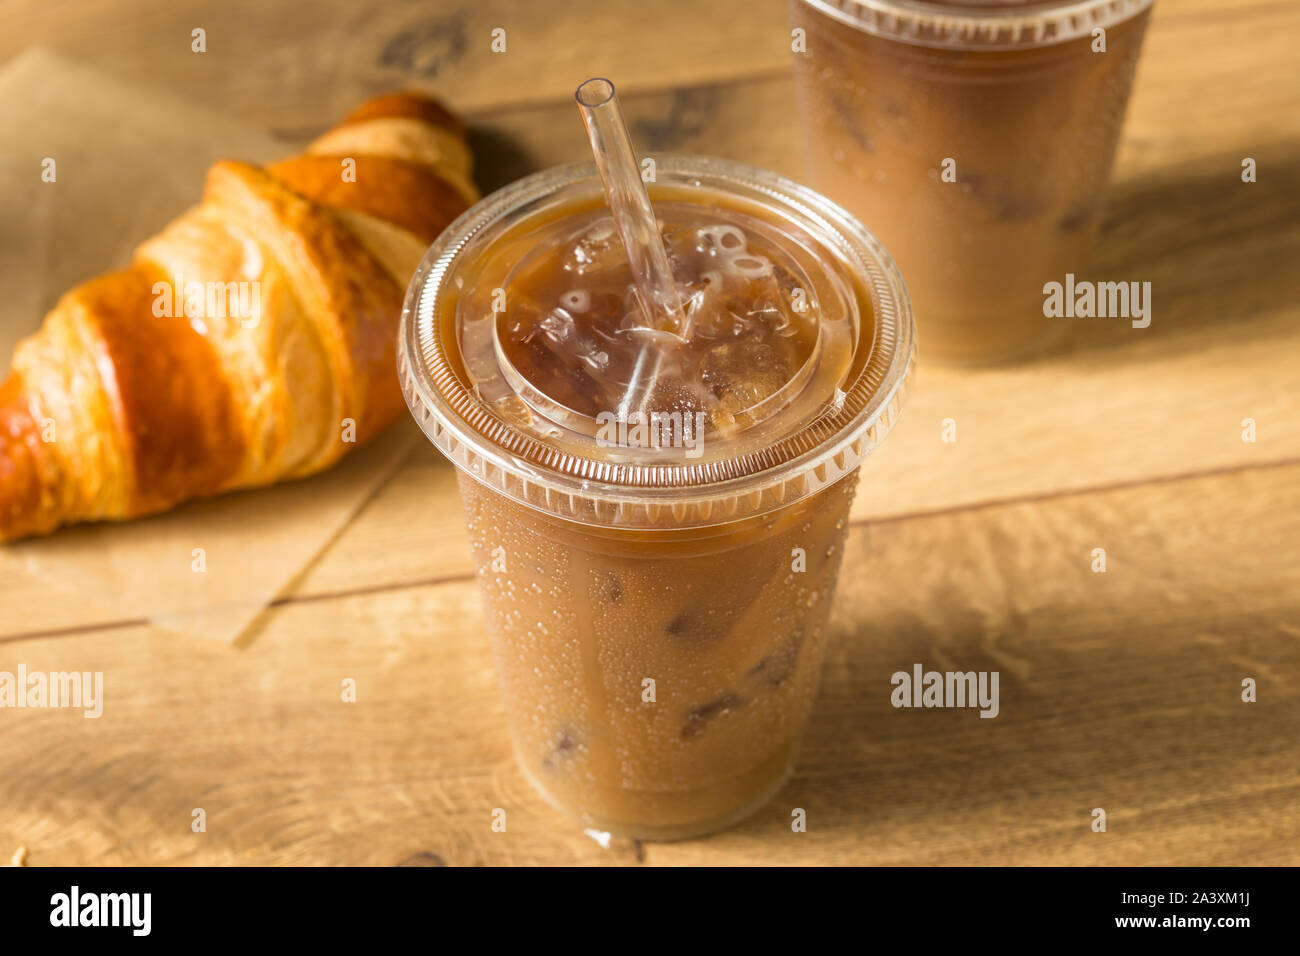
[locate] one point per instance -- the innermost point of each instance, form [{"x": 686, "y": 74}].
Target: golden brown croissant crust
[{"x": 118, "y": 408}]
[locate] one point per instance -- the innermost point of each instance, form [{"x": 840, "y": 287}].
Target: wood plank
[
  {"x": 1201, "y": 64},
  {"x": 299, "y": 64},
  {"x": 1118, "y": 690}
]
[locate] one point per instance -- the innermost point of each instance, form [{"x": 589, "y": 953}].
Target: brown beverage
[
  {"x": 657, "y": 578},
  {"x": 1026, "y": 106}
]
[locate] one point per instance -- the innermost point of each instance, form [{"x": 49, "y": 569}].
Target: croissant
[{"x": 251, "y": 341}]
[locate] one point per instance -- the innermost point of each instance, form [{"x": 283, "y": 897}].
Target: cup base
[{"x": 662, "y": 833}]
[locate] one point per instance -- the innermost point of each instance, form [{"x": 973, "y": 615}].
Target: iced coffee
[
  {"x": 657, "y": 562},
  {"x": 976, "y": 137}
]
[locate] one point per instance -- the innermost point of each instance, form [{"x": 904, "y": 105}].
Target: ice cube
[
  {"x": 669, "y": 396},
  {"x": 557, "y": 325},
  {"x": 563, "y": 747},
  {"x": 560, "y": 329},
  {"x": 774, "y": 669},
  {"x": 750, "y": 266},
  {"x": 607, "y": 586},
  {"x": 567, "y": 360},
  {"x": 742, "y": 373},
  {"x": 699, "y": 719},
  {"x": 720, "y": 241},
  {"x": 596, "y": 249}
]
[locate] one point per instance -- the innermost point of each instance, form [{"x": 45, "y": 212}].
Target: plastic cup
[
  {"x": 657, "y": 621},
  {"x": 977, "y": 139}
]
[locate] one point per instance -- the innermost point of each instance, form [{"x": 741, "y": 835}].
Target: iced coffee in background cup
[
  {"x": 976, "y": 137},
  {"x": 657, "y": 563}
]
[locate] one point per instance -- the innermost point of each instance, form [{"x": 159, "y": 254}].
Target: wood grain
[
  {"x": 1120, "y": 690},
  {"x": 300, "y": 64}
]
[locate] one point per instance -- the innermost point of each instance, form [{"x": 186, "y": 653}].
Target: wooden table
[{"x": 1120, "y": 690}]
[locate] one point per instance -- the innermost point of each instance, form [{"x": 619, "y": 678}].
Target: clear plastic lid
[
  {"x": 980, "y": 24},
  {"x": 512, "y": 394}
]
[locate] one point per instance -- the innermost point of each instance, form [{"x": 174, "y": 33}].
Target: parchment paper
[{"x": 129, "y": 160}]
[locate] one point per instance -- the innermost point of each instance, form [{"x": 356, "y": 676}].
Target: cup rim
[
  {"x": 1021, "y": 26},
  {"x": 575, "y": 487}
]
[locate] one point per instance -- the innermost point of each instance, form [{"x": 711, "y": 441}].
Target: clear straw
[{"x": 634, "y": 218}]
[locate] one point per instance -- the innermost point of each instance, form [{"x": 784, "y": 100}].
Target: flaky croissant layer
[{"x": 251, "y": 340}]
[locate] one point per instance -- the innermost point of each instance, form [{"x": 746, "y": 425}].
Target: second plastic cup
[
  {"x": 657, "y": 622},
  {"x": 977, "y": 138}
]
